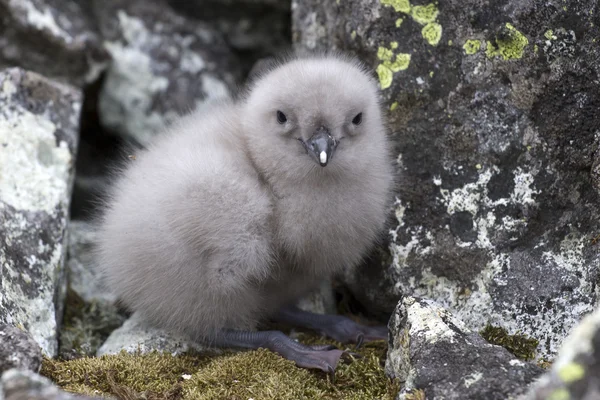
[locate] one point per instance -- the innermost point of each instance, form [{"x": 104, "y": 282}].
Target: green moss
[
  {"x": 571, "y": 372},
  {"x": 424, "y": 14},
  {"x": 519, "y": 345},
  {"x": 402, "y": 6},
  {"x": 432, "y": 32},
  {"x": 472, "y": 46},
  {"x": 510, "y": 44},
  {"x": 417, "y": 394},
  {"x": 259, "y": 374}
]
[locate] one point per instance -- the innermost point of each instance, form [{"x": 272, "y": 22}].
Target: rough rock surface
[
  {"x": 52, "y": 37},
  {"x": 18, "y": 349},
  {"x": 91, "y": 314},
  {"x": 27, "y": 385},
  {"x": 494, "y": 110},
  {"x": 38, "y": 140},
  {"x": 162, "y": 65},
  {"x": 137, "y": 336},
  {"x": 252, "y": 28},
  {"x": 575, "y": 374},
  {"x": 433, "y": 352}
]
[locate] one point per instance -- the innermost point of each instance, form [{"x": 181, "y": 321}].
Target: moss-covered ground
[{"x": 245, "y": 375}]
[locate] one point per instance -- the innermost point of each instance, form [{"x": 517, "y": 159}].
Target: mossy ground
[
  {"x": 258, "y": 374},
  {"x": 521, "y": 346}
]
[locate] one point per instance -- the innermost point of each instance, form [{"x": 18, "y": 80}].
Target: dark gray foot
[
  {"x": 323, "y": 357},
  {"x": 337, "y": 327}
]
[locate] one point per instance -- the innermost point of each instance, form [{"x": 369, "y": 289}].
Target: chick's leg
[
  {"x": 324, "y": 358},
  {"x": 336, "y": 327}
]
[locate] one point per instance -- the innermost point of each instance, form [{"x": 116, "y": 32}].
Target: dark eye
[
  {"x": 281, "y": 118},
  {"x": 358, "y": 119}
]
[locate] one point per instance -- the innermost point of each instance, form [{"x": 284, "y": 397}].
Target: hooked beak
[{"x": 321, "y": 146}]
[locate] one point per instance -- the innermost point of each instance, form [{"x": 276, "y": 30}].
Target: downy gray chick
[{"x": 236, "y": 212}]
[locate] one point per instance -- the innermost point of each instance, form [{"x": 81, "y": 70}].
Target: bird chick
[{"x": 232, "y": 215}]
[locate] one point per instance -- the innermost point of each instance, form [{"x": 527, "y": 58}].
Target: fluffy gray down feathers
[{"x": 224, "y": 219}]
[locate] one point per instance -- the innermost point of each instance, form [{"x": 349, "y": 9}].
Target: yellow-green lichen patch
[
  {"x": 259, "y": 374},
  {"x": 389, "y": 65},
  {"x": 472, "y": 46},
  {"x": 571, "y": 372},
  {"x": 549, "y": 34},
  {"x": 424, "y": 14},
  {"x": 559, "y": 394},
  {"x": 394, "y": 106},
  {"x": 432, "y": 32},
  {"x": 510, "y": 45},
  {"x": 353, "y": 35},
  {"x": 399, "y": 22},
  {"x": 519, "y": 345},
  {"x": 402, "y": 6}
]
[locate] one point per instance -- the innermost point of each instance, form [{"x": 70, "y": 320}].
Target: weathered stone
[
  {"x": 90, "y": 311},
  {"x": 493, "y": 109},
  {"x": 137, "y": 336},
  {"x": 575, "y": 373},
  {"x": 38, "y": 141},
  {"x": 162, "y": 65},
  {"x": 433, "y": 352},
  {"x": 52, "y": 37},
  {"x": 253, "y": 28},
  {"x": 18, "y": 349},
  {"x": 27, "y": 385}
]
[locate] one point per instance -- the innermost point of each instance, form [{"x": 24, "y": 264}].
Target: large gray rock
[
  {"x": 38, "y": 142},
  {"x": 52, "y": 37},
  {"x": 434, "y": 353},
  {"x": 18, "y": 384},
  {"x": 162, "y": 65},
  {"x": 494, "y": 111},
  {"x": 575, "y": 374},
  {"x": 136, "y": 336},
  {"x": 18, "y": 349}
]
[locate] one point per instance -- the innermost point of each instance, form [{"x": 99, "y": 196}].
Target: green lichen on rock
[
  {"x": 559, "y": 394},
  {"x": 424, "y": 14},
  {"x": 549, "y": 34},
  {"x": 519, "y": 345},
  {"x": 432, "y": 32},
  {"x": 259, "y": 374},
  {"x": 402, "y": 6},
  {"x": 390, "y": 64},
  {"x": 399, "y": 22},
  {"x": 510, "y": 44},
  {"x": 571, "y": 372},
  {"x": 472, "y": 46}
]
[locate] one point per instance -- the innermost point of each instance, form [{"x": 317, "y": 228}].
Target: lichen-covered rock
[
  {"x": 136, "y": 336},
  {"x": 18, "y": 349},
  {"x": 55, "y": 38},
  {"x": 437, "y": 355},
  {"x": 38, "y": 141},
  {"x": 162, "y": 65},
  {"x": 18, "y": 384},
  {"x": 90, "y": 310},
  {"x": 494, "y": 111},
  {"x": 575, "y": 373}
]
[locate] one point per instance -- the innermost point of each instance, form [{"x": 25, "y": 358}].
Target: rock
[
  {"x": 436, "y": 354},
  {"x": 52, "y": 37},
  {"x": 493, "y": 111},
  {"x": 137, "y": 336},
  {"x": 575, "y": 373},
  {"x": 27, "y": 385},
  {"x": 253, "y": 28},
  {"x": 18, "y": 350},
  {"x": 162, "y": 65},
  {"x": 38, "y": 142},
  {"x": 320, "y": 301},
  {"x": 91, "y": 314}
]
